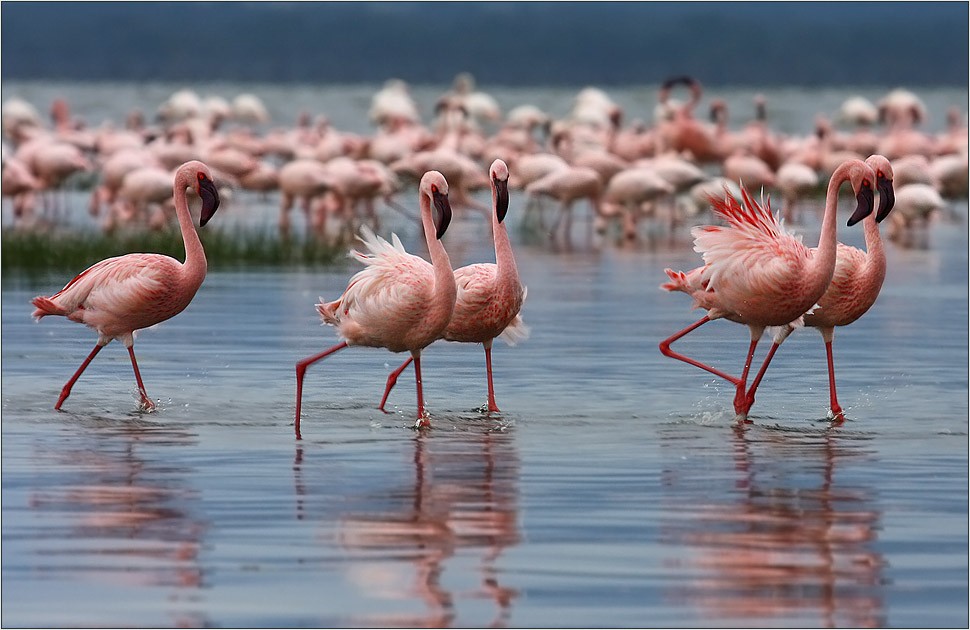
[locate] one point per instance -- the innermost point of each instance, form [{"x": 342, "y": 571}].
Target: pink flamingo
[
  {"x": 855, "y": 285},
  {"x": 489, "y": 295},
  {"x": 399, "y": 301},
  {"x": 758, "y": 274},
  {"x": 120, "y": 295}
]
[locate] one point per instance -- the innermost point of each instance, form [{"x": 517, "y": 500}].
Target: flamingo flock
[{"x": 755, "y": 271}]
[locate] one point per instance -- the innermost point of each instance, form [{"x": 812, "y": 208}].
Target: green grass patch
[{"x": 39, "y": 252}]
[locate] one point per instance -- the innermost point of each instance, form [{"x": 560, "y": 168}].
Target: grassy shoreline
[{"x": 34, "y": 252}]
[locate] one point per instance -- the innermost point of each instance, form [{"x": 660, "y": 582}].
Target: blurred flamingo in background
[
  {"x": 855, "y": 285},
  {"x": 758, "y": 274},
  {"x": 489, "y": 295},
  {"x": 399, "y": 301},
  {"x": 120, "y": 295}
]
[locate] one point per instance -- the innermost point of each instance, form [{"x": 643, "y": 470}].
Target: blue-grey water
[{"x": 614, "y": 488}]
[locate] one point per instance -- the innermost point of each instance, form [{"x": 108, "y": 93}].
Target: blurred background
[{"x": 504, "y": 43}]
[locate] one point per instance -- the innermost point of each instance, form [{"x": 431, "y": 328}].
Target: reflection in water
[
  {"x": 461, "y": 506},
  {"x": 119, "y": 515},
  {"x": 788, "y": 542}
]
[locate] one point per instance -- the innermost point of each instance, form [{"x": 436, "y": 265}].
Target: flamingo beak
[
  {"x": 887, "y": 197},
  {"x": 866, "y": 199},
  {"x": 210, "y": 200},
  {"x": 443, "y": 206},
  {"x": 501, "y": 198}
]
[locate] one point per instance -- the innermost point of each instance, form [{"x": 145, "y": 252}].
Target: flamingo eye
[{"x": 434, "y": 188}]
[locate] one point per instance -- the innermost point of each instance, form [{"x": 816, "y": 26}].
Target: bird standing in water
[
  {"x": 490, "y": 295},
  {"x": 399, "y": 301},
  {"x": 120, "y": 295},
  {"x": 855, "y": 285},
  {"x": 758, "y": 274}
]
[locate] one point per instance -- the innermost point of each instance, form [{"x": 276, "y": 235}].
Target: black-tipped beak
[
  {"x": 501, "y": 198},
  {"x": 443, "y": 206},
  {"x": 887, "y": 197},
  {"x": 210, "y": 200},
  {"x": 866, "y": 198}
]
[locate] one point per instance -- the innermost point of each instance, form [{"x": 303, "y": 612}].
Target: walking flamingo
[
  {"x": 855, "y": 285},
  {"x": 120, "y": 295},
  {"x": 758, "y": 274},
  {"x": 398, "y": 301},
  {"x": 489, "y": 295}
]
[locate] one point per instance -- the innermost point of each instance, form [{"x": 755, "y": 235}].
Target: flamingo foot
[
  {"x": 836, "y": 415},
  {"x": 742, "y": 418},
  {"x": 423, "y": 422},
  {"x": 488, "y": 407},
  {"x": 147, "y": 405}
]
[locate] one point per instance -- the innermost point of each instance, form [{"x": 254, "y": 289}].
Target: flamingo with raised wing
[
  {"x": 855, "y": 285},
  {"x": 489, "y": 296},
  {"x": 757, "y": 273},
  {"x": 399, "y": 301},
  {"x": 120, "y": 295}
]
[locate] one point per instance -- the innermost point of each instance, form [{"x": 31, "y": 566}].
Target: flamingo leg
[
  {"x": 666, "y": 351},
  {"x": 146, "y": 402},
  {"x": 837, "y": 413},
  {"x": 740, "y": 395},
  {"x": 392, "y": 381},
  {"x": 422, "y": 421},
  {"x": 301, "y": 371},
  {"x": 749, "y": 397},
  {"x": 492, "y": 405},
  {"x": 66, "y": 391}
]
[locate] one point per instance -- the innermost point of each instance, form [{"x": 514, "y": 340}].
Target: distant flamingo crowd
[
  {"x": 627, "y": 172},
  {"x": 754, "y": 272}
]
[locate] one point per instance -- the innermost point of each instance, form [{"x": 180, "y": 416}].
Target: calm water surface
[{"x": 613, "y": 490}]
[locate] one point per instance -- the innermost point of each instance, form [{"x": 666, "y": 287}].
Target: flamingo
[
  {"x": 489, "y": 295},
  {"x": 855, "y": 285},
  {"x": 120, "y": 295},
  {"x": 758, "y": 274},
  {"x": 399, "y": 301}
]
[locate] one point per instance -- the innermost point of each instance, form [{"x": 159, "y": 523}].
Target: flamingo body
[
  {"x": 120, "y": 295},
  {"x": 398, "y": 301},
  {"x": 758, "y": 274}
]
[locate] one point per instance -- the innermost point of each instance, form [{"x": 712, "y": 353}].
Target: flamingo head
[
  {"x": 210, "y": 196},
  {"x": 499, "y": 174},
  {"x": 884, "y": 184},
  {"x": 862, "y": 178},
  {"x": 435, "y": 186}
]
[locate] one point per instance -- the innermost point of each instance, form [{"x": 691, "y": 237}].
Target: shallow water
[{"x": 614, "y": 489}]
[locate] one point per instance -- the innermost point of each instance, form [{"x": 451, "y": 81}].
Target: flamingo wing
[
  {"x": 476, "y": 286},
  {"x": 120, "y": 285}
]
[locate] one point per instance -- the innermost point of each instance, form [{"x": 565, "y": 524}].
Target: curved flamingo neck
[
  {"x": 195, "y": 265},
  {"x": 875, "y": 251},
  {"x": 445, "y": 290},
  {"x": 508, "y": 273},
  {"x": 827, "y": 243}
]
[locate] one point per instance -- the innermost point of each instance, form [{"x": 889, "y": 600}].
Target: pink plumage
[
  {"x": 120, "y": 295},
  {"x": 489, "y": 296},
  {"x": 758, "y": 274},
  {"x": 398, "y": 301}
]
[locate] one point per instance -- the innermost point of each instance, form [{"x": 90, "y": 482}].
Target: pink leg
[
  {"x": 301, "y": 371},
  {"x": 66, "y": 391},
  {"x": 837, "y": 414},
  {"x": 392, "y": 381},
  {"x": 740, "y": 395},
  {"x": 422, "y": 421},
  {"x": 749, "y": 397},
  {"x": 492, "y": 406},
  {"x": 146, "y": 402},
  {"x": 665, "y": 349}
]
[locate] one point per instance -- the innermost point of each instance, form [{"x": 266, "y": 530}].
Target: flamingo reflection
[
  {"x": 460, "y": 507},
  {"x": 789, "y": 542},
  {"x": 122, "y": 503}
]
